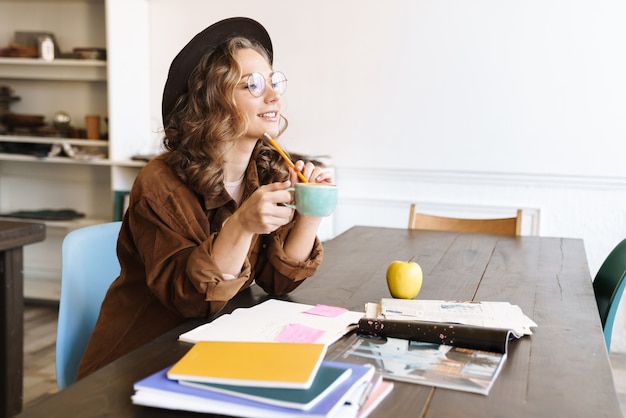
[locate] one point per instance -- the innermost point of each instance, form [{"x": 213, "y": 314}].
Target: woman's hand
[
  {"x": 263, "y": 211},
  {"x": 312, "y": 173}
]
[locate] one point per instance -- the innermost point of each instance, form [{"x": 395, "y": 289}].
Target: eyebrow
[{"x": 249, "y": 74}]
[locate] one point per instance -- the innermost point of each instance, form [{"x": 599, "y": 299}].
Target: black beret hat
[{"x": 189, "y": 57}]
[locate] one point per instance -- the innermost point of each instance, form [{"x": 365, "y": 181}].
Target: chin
[{"x": 271, "y": 132}]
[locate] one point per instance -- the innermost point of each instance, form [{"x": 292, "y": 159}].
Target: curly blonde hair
[{"x": 205, "y": 119}]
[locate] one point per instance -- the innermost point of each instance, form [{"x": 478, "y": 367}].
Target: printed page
[{"x": 484, "y": 314}]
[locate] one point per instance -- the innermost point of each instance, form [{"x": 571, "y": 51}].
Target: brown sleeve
[
  {"x": 282, "y": 274},
  {"x": 175, "y": 243}
]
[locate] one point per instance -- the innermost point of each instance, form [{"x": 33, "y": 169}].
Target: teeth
[{"x": 268, "y": 115}]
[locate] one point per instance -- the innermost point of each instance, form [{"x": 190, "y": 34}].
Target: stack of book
[{"x": 263, "y": 379}]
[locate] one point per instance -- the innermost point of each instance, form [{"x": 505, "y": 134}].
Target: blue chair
[
  {"x": 608, "y": 287},
  {"x": 89, "y": 265}
]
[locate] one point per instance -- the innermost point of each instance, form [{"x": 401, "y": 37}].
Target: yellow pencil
[{"x": 282, "y": 154}]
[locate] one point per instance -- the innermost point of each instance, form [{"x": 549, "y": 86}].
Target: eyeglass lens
[{"x": 257, "y": 83}]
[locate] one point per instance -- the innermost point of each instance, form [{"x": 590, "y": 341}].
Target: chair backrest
[
  {"x": 501, "y": 226},
  {"x": 608, "y": 287},
  {"x": 89, "y": 265}
]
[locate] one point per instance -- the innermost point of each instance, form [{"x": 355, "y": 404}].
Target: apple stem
[{"x": 411, "y": 259}]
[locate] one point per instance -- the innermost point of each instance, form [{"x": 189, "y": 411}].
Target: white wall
[
  {"x": 463, "y": 106},
  {"x": 439, "y": 80}
]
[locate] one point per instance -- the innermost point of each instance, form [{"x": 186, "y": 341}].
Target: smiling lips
[{"x": 269, "y": 115}]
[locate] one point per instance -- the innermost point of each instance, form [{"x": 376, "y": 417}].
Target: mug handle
[{"x": 290, "y": 205}]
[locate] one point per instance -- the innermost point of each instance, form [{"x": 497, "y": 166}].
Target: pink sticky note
[
  {"x": 325, "y": 310},
  {"x": 297, "y": 333}
]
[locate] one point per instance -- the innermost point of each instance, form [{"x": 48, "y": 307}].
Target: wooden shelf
[
  {"x": 58, "y": 69},
  {"x": 68, "y": 224},
  {"x": 67, "y": 160},
  {"x": 53, "y": 140},
  {"x": 55, "y": 160}
]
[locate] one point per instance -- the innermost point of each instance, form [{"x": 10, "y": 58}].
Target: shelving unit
[
  {"x": 80, "y": 159},
  {"x": 79, "y": 87},
  {"x": 59, "y": 69}
]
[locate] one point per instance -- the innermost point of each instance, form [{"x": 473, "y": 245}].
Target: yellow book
[{"x": 263, "y": 364}]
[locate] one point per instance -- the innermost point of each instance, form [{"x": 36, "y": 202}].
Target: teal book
[
  {"x": 325, "y": 381},
  {"x": 120, "y": 204}
]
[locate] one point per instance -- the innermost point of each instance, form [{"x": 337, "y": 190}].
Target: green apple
[{"x": 404, "y": 279}]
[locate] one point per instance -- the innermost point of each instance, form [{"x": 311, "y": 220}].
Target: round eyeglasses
[{"x": 256, "y": 83}]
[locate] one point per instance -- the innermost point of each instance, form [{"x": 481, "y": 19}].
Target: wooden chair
[
  {"x": 500, "y": 226},
  {"x": 608, "y": 287}
]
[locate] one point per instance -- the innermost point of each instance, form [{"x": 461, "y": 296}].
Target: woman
[{"x": 206, "y": 218}]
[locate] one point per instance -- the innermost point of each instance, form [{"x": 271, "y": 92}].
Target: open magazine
[{"x": 427, "y": 342}]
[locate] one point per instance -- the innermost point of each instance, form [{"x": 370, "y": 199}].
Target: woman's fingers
[
  {"x": 264, "y": 210},
  {"x": 312, "y": 173}
]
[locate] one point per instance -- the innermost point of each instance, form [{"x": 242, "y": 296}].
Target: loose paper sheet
[{"x": 268, "y": 320}]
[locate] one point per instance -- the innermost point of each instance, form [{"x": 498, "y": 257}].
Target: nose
[{"x": 271, "y": 95}]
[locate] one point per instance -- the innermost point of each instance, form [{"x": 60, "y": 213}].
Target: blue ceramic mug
[{"x": 314, "y": 199}]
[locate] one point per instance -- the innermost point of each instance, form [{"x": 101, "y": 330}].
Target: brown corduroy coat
[{"x": 167, "y": 271}]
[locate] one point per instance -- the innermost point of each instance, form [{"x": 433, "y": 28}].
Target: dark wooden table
[
  {"x": 562, "y": 370},
  {"x": 13, "y": 237}
]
